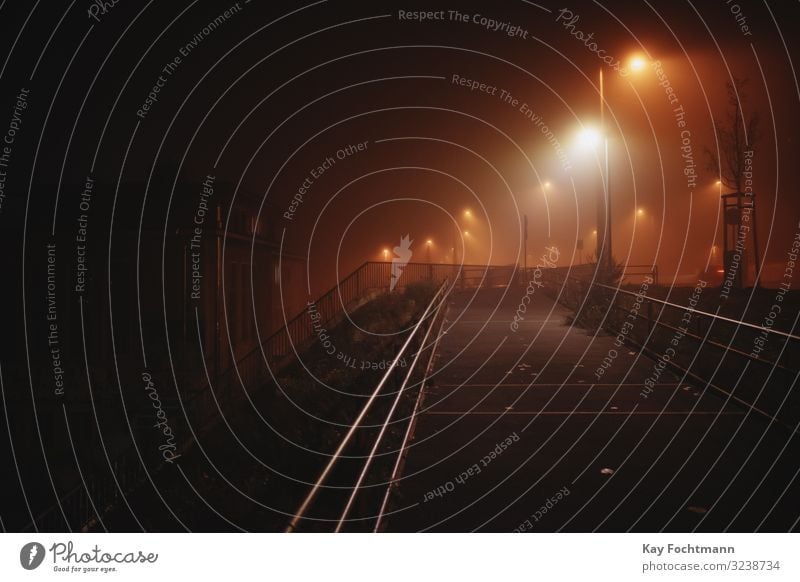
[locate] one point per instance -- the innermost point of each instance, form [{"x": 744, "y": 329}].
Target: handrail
[
  {"x": 652, "y": 271},
  {"x": 770, "y": 405},
  {"x": 686, "y": 308},
  {"x": 699, "y": 312},
  {"x": 127, "y": 470},
  {"x": 411, "y": 423},
  {"x": 379, "y": 438},
  {"x": 312, "y": 494}
]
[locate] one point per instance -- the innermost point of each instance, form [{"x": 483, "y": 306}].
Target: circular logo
[{"x": 31, "y": 555}]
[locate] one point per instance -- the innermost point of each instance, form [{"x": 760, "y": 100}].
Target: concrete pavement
[{"x": 517, "y": 433}]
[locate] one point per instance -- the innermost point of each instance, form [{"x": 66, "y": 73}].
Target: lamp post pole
[{"x": 604, "y": 202}]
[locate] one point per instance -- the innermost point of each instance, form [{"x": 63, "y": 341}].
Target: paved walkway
[{"x": 518, "y": 433}]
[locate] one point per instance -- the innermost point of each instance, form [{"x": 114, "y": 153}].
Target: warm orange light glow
[
  {"x": 546, "y": 185},
  {"x": 637, "y": 63},
  {"x": 385, "y": 254},
  {"x": 468, "y": 213},
  {"x": 466, "y": 233},
  {"x": 588, "y": 137},
  {"x": 429, "y": 242},
  {"x": 719, "y": 182},
  {"x": 640, "y": 212}
]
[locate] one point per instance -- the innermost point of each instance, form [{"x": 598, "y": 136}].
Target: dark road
[{"x": 517, "y": 433}]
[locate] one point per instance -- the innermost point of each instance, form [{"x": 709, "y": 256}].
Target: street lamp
[
  {"x": 385, "y": 255},
  {"x": 635, "y": 64},
  {"x": 428, "y": 244},
  {"x": 588, "y": 137}
]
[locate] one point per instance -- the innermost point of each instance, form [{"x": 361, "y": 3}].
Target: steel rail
[
  {"x": 410, "y": 429},
  {"x": 312, "y": 494},
  {"x": 703, "y": 313},
  {"x": 379, "y": 438}
]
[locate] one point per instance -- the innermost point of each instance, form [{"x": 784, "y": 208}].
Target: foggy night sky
[{"x": 338, "y": 73}]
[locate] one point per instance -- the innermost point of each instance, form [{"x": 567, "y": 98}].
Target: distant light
[
  {"x": 546, "y": 185},
  {"x": 429, "y": 242},
  {"x": 588, "y": 137},
  {"x": 385, "y": 254},
  {"x": 467, "y": 213},
  {"x": 637, "y": 63},
  {"x": 594, "y": 231},
  {"x": 720, "y": 270},
  {"x": 466, "y": 233},
  {"x": 640, "y": 212},
  {"x": 719, "y": 182}
]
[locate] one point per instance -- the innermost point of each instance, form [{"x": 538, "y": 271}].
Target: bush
[
  {"x": 420, "y": 292},
  {"x": 598, "y": 300}
]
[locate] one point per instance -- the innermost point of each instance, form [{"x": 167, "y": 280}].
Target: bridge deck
[{"x": 679, "y": 459}]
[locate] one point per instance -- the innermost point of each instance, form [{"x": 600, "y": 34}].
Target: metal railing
[
  {"x": 710, "y": 349},
  {"x": 75, "y": 509},
  {"x": 430, "y": 316},
  {"x": 641, "y": 271}
]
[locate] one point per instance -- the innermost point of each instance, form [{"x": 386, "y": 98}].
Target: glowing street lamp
[
  {"x": 589, "y": 137},
  {"x": 635, "y": 64},
  {"x": 428, "y": 244},
  {"x": 385, "y": 254}
]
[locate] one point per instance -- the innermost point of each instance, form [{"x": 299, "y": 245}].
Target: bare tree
[{"x": 736, "y": 135}]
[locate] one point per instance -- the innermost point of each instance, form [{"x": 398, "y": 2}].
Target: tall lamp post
[
  {"x": 604, "y": 204},
  {"x": 636, "y": 63}
]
